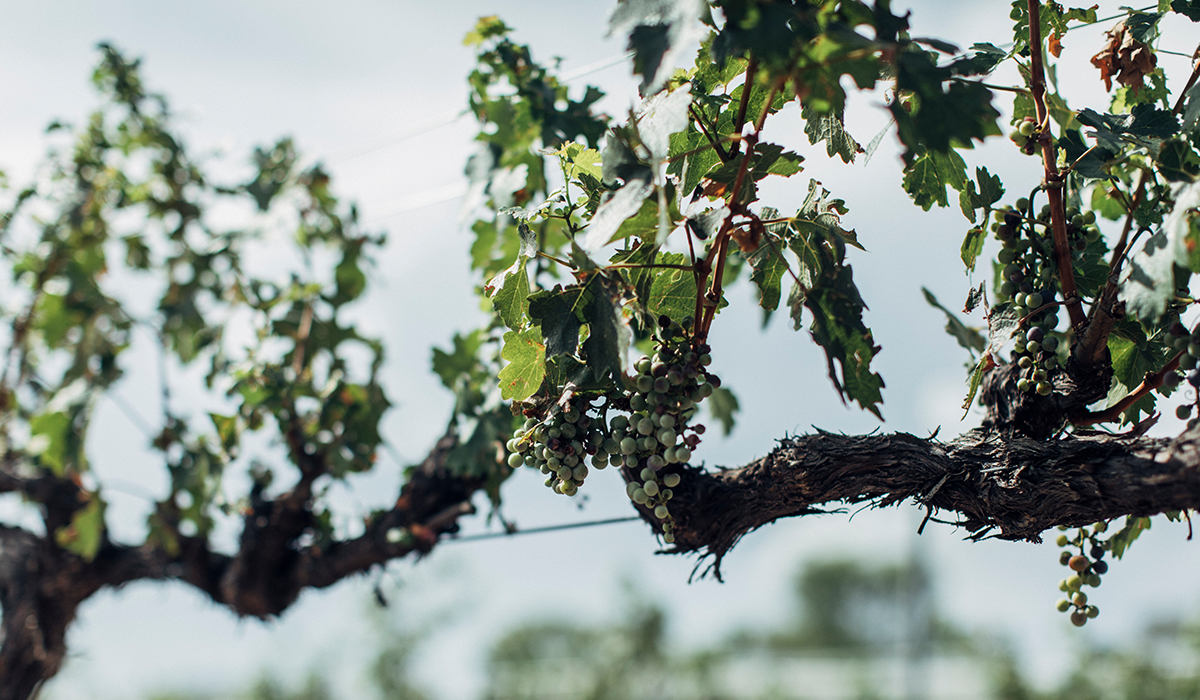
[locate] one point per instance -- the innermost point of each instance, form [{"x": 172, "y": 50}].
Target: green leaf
[
  {"x": 830, "y": 129},
  {"x": 609, "y": 336},
  {"x": 1150, "y": 283},
  {"x": 976, "y": 379},
  {"x": 969, "y": 338},
  {"x": 768, "y": 265},
  {"x": 510, "y": 294},
  {"x": 462, "y": 361},
  {"x": 1187, "y": 8},
  {"x": 838, "y": 328},
  {"x": 723, "y": 404},
  {"x": 229, "y": 431},
  {"x": 526, "y": 356},
  {"x": 673, "y": 291},
  {"x": 1134, "y": 527},
  {"x": 613, "y": 213},
  {"x": 661, "y": 33},
  {"x": 969, "y": 199},
  {"x": 929, "y": 175},
  {"x": 577, "y": 159},
  {"x": 559, "y": 314},
  {"x": 972, "y": 246},
  {"x": 51, "y": 434},
  {"x": 1133, "y": 356},
  {"x": 85, "y": 533}
]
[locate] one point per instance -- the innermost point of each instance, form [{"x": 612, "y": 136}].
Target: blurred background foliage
[{"x": 854, "y": 630}]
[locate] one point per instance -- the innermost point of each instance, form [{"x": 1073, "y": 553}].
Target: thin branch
[{"x": 1062, "y": 248}]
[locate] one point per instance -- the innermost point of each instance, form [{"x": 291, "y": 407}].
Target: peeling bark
[{"x": 1010, "y": 488}]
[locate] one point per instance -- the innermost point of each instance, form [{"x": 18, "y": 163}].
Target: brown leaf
[
  {"x": 1125, "y": 58},
  {"x": 1054, "y": 42}
]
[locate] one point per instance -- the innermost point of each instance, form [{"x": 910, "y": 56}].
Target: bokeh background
[{"x": 375, "y": 90}]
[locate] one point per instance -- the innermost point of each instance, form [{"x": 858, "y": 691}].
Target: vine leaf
[
  {"x": 768, "y": 265},
  {"x": 969, "y": 338},
  {"x": 673, "y": 291},
  {"x": 85, "y": 532},
  {"x": 1133, "y": 356},
  {"x": 722, "y": 405},
  {"x": 509, "y": 292},
  {"x": 614, "y": 211},
  {"x": 929, "y": 175},
  {"x": 526, "y": 367},
  {"x": 558, "y": 314},
  {"x": 660, "y": 33},
  {"x": 830, "y": 129},
  {"x": 969, "y": 199},
  {"x": 838, "y": 328},
  {"x": 1150, "y": 283},
  {"x": 972, "y": 246},
  {"x": 609, "y": 335}
]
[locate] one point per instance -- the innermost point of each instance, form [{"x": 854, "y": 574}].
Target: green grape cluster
[
  {"x": 651, "y": 432},
  {"x": 559, "y": 444},
  {"x": 1023, "y": 135},
  {"x": 658, "y": 433},
  {"x": 1084, "y": 555},
  {"x": 1188, "y": 344},
  {"x": 1028, "y": 280}
]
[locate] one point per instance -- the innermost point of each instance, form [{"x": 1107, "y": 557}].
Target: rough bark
[
  {"x": 42, "y": 585},
  {"x": 997, "y": 481},
  {"x": 1011, "y": 488}
]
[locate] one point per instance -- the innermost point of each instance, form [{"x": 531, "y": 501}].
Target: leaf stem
[{"x": 712, "y": 142}]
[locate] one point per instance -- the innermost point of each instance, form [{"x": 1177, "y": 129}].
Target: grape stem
[{"x": 1054, "y": 180}]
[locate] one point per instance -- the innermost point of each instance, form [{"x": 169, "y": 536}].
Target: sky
[{"x": 372, "y": 89}]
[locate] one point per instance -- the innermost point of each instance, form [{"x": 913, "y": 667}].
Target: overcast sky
[{"x": 371, "y": 89}]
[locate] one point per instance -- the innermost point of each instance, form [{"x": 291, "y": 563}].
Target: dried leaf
[{"x": 1125, "y": 58}]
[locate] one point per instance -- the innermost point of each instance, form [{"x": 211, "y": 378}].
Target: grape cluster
[
  {"x": 1187, "y": 343},
  {"x": 652, "y": 431},
  {"x": 1023, "y": 135},
  {"x": 1087, "y": 565},
  {"x": 1028, "y": 280},
  {"x": 559, "y": 444}
]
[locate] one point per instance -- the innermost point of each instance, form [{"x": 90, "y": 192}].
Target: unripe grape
[
  {"x": 598, "y": 462},
  {"x": 1026, "y": 129},
  {"x": 667, "y": 436},
  {"x": 671, "y": 480},
  {"x": 1063, "y": 541},
  {"x": 1181, "y": 412},
  {"x": 1044, "y": 388},
  {"x": 1074, "y": 582},
  {"x": 640, "y": 497},
  {"x": 1079, "y": 599},
  {"x": 650, "y": 487},
  {"x": 631, "y": 487},
  {"x": 656, "y": 461},
  {"x": 661, "y": 512},
  {"x": 1063, "y": 605},
  {"x": 1092, "y": 611},
  {"x": 646, "y": 474},
  {"x": 668, "y": 538},
  {"x": 1093, "y": 580},
  {"x": 628, "y": 446},
  {"x": 645, "y": 426},
  {"x": 667, "y": 494},
  {"x": 683, "y": 454},
  {"x": 579, "y": 473},
  {"x": 1063, "y": 557},
  {"x": 515, "y": 460}
]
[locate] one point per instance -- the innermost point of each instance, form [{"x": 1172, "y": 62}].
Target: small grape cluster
[
  {"x": 1027, "y": 279},
  {"x": 667, "y": 388},
  {"x": 558, "y": 446},
  {"x": 1023, "y": 135},
  {"x": 1187, "y": 343},
  {"x": 1087, "y": 566}
]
